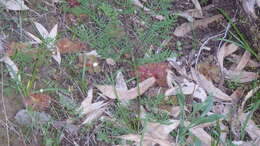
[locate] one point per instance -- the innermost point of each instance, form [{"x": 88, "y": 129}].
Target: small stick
[{"x": 4, "y": 108}]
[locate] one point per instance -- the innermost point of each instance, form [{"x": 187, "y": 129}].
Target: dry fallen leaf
[
  {"x": 251, "y": 127},
  {"x": 210, "y": 71},
  {"x": 185, "y": 28},
  {"x": 229, "y": 49},
  {"x": 251, "y": 63},
  {"x": 38, "y": 101},
  {"x": 249, "y": 95},
  {"x": 240, "y": 76},
  {"x": 156, "y": 70},
  {"x": 224, "y": 51},
  {"x": 188, "y": 88},
  {"x": 124, "y": 95},
  {"x": 156, "y": 133},
  {"x": 209, "y": 86},
  {"x": 65, "y": 45},
  {"x": 175, "y": 111},
  {"x": 12, "y": 68},
  {"x": 146, "y": 140},
  {"x": 197, "y": 6},
  {"x": 120, "y": 82},
  {"x": 91, "y": 110},
  {"x": 15, "y": 5},
  {"x": 190, "y": 14},
  {"x": 161, "y": 131},
  {"x": 237, "y": 75},
  {"x": 249, "y": 7},
  {"x": 243, "y": 62},
  {"x": 201, "y": 134}
]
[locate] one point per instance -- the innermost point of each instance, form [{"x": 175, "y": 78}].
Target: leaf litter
[
  {"x": 238, "y": 74},
  {"x": 199, "y": 83}
]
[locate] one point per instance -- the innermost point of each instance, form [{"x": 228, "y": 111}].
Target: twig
[
  {"x": 203, "y": 45},
  {"x": 201, "y": 48},
  {"x": 4, "y": 108}
]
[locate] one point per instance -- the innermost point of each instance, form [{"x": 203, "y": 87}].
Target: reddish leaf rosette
[
  {"x": 65, "y": 45},
  {"x": 38, "y": 101},
  {"x": 156, "y": 70},
  {"x": 73, "y": 3}
]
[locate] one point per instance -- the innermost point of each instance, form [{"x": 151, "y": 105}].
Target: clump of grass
[{"x": 242, "y": 42}]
